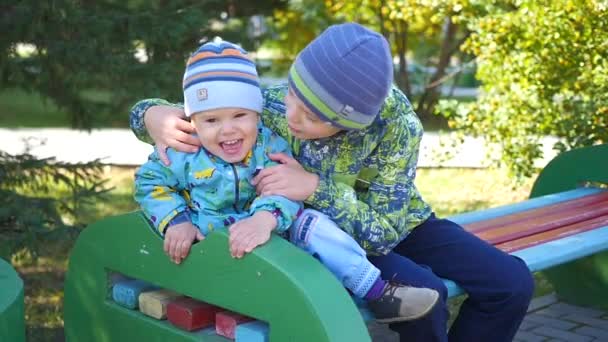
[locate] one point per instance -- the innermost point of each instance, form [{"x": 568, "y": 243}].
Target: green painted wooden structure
[
  {"x": 12, "y": 319},
  {"x": 584, "y": 281},
  {"x": 277, "y": 283}
]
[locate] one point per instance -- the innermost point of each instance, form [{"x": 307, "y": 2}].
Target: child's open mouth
[{"x": 232, "y": 147}]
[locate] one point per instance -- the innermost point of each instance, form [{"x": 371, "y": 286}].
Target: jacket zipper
[{"x": 236, "y": 189}]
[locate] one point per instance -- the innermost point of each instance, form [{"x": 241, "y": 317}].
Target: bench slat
[
  {"x": 554, "y": 252},
  {"x": 538, "y": 214},
  {"x": 537, "y": 202},
  {"x": 554, "y": 234},
  {"x": 544, "y": 231},
  {"x": 545, "y": 222}
]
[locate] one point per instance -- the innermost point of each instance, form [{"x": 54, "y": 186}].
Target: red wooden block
[
  {"x": 226, "y": 322},
  {"x": 190, "y": 314}
]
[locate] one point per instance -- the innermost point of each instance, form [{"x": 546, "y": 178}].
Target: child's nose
[{"x": 228, "y": 127}]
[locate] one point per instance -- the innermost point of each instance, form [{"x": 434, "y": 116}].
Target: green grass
[
  {"x": 449, "y": 191},
  {"x": 23, "y": 109}
]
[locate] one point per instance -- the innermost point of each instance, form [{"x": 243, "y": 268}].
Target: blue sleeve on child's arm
[
  {"x": 158, "y": 189},
  {"x": 180, "y": 218},
  {"x": 286, "y": 211}
]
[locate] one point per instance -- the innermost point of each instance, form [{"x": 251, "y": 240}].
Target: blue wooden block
[
  {"x": 256, "y": 331},
  {"x": 126, "y": 293}
]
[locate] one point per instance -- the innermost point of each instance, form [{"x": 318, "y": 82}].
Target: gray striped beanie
[{"x": 344, "y": 75}]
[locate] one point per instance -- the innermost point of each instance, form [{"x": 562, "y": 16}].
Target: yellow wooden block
[{"x": 154, "y": 303}]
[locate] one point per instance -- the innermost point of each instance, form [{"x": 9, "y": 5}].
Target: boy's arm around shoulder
[
  {"x": 160, "y": 189},
  {"x": 285, "y": 210}
]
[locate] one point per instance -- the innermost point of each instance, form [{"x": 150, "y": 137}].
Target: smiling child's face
[{"x": 228, "y": 133}]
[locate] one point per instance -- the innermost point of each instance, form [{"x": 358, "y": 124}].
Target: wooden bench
[
  {"x": 12, "y": 318},
  {"x": 566, "y": 220}
]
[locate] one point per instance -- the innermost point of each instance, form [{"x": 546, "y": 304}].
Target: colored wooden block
[
  {"x": 256, "y": 331},
  {"x": 126, "y": 293},
  {"x": 227, "y": 321},
  {"x": 190, "y": 314},
  {"x": 154, "y": 303}
]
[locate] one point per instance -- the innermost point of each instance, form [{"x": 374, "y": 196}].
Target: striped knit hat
[
  {"x": 344, "y": 75},
  {"x": 221, "y": 75}
]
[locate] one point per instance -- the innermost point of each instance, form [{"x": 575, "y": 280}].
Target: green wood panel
[
  {"x": 12, "y": 319},
  {"x": 572, "y": 169},
  {"x": 584, "y": 281},
  {"x": 277, "y": 283}
]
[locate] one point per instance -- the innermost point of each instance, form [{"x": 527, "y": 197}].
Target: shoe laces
[{"x": 391, "y": 287}]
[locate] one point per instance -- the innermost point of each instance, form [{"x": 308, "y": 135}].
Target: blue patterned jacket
[{"x": 213, "y": 193}]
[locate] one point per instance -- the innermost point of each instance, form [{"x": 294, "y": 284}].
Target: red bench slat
[
  {"x": 582, "y": 202},
  {"x": 544, "y": 223},
  {"x": 537, "y": 239},
  {"x": 533, "y": 227}
]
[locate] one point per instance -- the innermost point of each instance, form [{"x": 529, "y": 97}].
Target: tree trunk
[
  {"x": 400, "y": 38},
  {"x": 431, "y": 93}
]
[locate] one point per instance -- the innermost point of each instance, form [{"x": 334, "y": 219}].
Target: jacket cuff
[
  {"x": 323, "y": 191},
  {"x": 182, "y": 217}
]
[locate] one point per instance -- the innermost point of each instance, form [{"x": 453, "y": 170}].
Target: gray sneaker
[{"x": 403, "y": 303}]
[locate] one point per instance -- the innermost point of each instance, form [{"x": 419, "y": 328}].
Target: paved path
[
  {"x": 548, "y": 319},
  {"x": 120, "y": 147}
]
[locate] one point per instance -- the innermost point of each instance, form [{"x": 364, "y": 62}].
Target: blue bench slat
[
  {"x": 534, "y": 255},
  {"x": 555, "y": 252},
  {"x": 530, "y": 204},
  {"x": 560, "y": 251}
]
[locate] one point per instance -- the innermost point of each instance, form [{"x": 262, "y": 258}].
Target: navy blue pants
[{"x": 499, "y": 286}]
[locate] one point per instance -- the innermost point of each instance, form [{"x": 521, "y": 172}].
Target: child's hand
[
  {"x": 279, "y": 180},
  {"x": 178, "y": 240},
  {"x": 168, "y": 128},
  {"x": 247, "y": 234}
]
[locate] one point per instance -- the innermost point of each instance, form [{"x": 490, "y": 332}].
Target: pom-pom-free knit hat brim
[
  {"x": 221, "y": 75},
  {"x": 344, "y": 75}
]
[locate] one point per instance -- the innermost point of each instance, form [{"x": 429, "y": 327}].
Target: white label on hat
[
  {"x": 346, "y": 110},
  {"x": 201, "y": 94}
]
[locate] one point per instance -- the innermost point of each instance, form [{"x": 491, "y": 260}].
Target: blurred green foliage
[
  {"x": 426, "y": 32},
  {"x": 544, "y": 69},
  {"x": 32, "y": 210},
  {"x": 92, "y": 58}
]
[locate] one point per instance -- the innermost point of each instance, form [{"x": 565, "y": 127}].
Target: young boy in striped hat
[
  {"x": 214, "y": 85},
  {"x": 211, "y": 189}
]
